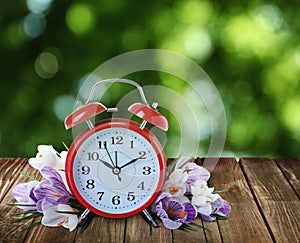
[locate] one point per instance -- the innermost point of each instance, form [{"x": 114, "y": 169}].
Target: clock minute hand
[
  {"x": 128, "y": 163},
  {"x": 142, "y": 153}
]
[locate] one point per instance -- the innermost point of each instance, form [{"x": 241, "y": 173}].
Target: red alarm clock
[{"x": 116, "y": 168}]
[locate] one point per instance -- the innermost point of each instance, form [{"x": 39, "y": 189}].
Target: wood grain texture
[
  {"x": 291, "y": 170},
  {"x": 103, "y": 230},
  {"x": 48, "y": 234},
  {"x": 11, "y": 232},
  {"x": 244, "y": 223},
  {"x": 9, "y": 172},
  {"x": 277, "y": 200},
  {"x": 138, "y": 230},
  {"x": 180, "y": 236},
  {"x": 262, "y": 194}
]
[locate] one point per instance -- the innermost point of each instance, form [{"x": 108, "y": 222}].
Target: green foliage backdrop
[{"x": 250, "y": 49}]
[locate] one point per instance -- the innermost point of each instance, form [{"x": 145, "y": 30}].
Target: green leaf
[
  {"x": 186, "y": 226},
  {"x": 24, "y": 212},
  {"x": 31, "y": 226},
  {"x": 219, "y": 191},
  {"x": 35, "y": 215},
  {"x": 68, "y": 212},
  {"x": 221, "y": 217},
  {"x": 76, "y": 205},
  {"x": 29, "y": 176},
  {"x": 20, "y": 205},
  {"x": 184, "y": 229},
  {"x": 66, "y": 147},
  {"x": 199, "y": 226}
]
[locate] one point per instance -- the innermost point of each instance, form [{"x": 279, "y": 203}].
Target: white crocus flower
[
  {"x": 175, "y": 185},
  {"x": 203, "y": 197},
  {"x": 48, "y": 156},
  {"x": 54, "y": 217}
]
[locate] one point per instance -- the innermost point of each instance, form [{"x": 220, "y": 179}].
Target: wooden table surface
[{"x": 263, "y": 193}]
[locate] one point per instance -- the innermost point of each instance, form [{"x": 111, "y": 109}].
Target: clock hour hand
[
  {"x": 115, "y": 170},
  {"x": 107, "y": 164}
]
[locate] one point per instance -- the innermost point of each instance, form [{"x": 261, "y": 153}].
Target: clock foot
[
  {"x": 150, "y": 218},
  {"x": 83, "y": 215}
]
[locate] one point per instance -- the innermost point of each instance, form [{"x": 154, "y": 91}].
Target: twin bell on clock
[{"x": 116, "y": 167}]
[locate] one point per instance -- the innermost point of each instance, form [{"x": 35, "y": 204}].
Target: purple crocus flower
[
  {"x": 195, "y": 172},
  {"x": 21, "y": 193},
  {"x": 50, "y": 192},
  {"x": 172, "y": 212},
  {"x": 219, "y": 207}
]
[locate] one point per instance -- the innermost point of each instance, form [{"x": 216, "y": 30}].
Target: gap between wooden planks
[{"x": 263, "y": 193}]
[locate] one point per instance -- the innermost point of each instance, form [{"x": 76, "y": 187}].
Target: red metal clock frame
[{"x": 115, "y": 123}]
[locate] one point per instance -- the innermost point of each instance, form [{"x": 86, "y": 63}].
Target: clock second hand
[{"x": 109, "y": 156}]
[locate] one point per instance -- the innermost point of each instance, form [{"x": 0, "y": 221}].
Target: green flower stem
[
  {"x": 35, "y": 215},
  {"x": 31, "y": 226},
  {"x": 29, "y": 176}
]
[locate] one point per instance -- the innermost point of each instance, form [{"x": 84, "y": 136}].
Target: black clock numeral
[
  {"x": 131, "y": 144},
  {"x": 141, "y": 185},
  {"x": 130, "y": 196},
  {"x": 90, "y": 184},
  {"x": 93, "y": 156},
  {"x": 147, "y": 170},
  {"x": 117, "y": 140},
  {"x": 142, "y": 155},
  {"x": 100, "y": 194},
  {"x": 102, "y": 144},
  {"x": 116, "y": 200},
  {"x": 85, "y": 170}
]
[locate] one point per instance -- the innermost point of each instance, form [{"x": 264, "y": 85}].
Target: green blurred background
[{"x": 251, "y": 51}]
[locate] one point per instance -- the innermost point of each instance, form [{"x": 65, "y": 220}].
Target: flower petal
[
  {"x": 199, "y": 200},
  {"x": 191, "y": 212},
  {"x": 71, "y": 223},
  {"x": 206, "y": 210},
  {"x": 170, "y": 224},
  {"x": 181, "y": 162},
  {"x": 46, "y": 148},
  {"x": 208, "y": 218},
  {"x": 53, "y": 219},
  {"x": 225, "y": 210},
  {"x": 21, "y": 193},
  {"x": 178, "y": 176}
]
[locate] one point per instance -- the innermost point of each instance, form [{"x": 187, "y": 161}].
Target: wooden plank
[
  {"x": 213, "y": 234},
  {"x": 278, "y": 201},
  {"x": 47, "y": 234},
  {"x": 244, "y": 223},
  {"x": 180, "y": 236},
  {"x": 138, "y": 230},
  {"x": 103, "y": 230},
  {"x": 9, "y": 172},
  {"x": 291, "y": 170},
  {"x": 11, "y": 232}
]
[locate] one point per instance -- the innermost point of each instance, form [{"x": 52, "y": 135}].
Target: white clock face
[{"x": 116, "y": 171}]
